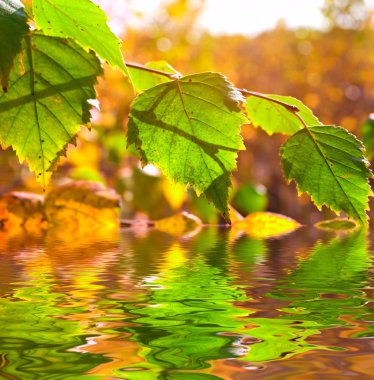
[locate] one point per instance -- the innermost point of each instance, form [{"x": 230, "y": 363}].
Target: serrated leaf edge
[
  {"x": 44, "y": 180},
  {"x": 319, "y": 206},
  {"x": 236, "y": 96},
  {"x": 123, "y": 68}
]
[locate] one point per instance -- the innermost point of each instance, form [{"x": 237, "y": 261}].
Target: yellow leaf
[
  {"x": 22, "y": 211},
  {"x": 175, "y": 194},
  {"x": 235, "y": 215},
  {"x": 83, "y": 205},
  {"x": 266, "y": 224},
  {"x": 179, "y": 224}
]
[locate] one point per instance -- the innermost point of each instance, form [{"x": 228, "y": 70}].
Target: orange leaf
[
  {"x": 235, "y": 215},
  {"x": 84, "y": 205},
  {"x": 21, "y": 210}
]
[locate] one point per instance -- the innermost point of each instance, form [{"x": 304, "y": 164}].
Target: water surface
[{"x": 144, "y": 306}]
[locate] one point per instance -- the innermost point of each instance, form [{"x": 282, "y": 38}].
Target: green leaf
[
  {"x": 143, "y": 80},
  {"x": 275, "y": 118},
  {"x": 47, "y": 101},
  {"x": 190, "y": 128},
  {"x": 367, "y": 133},
  {"x": 83, "y": 21},
  {"x": 13, "y": 26},
  {"x": 328, "y": 163}
]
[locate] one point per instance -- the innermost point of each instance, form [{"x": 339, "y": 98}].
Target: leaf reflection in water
[
  {"x": 189, "y": 306},
  {"x": 324, "y": 288},
  {"x": 35, "y": 342},
  {"x": 159, "y": 307}
]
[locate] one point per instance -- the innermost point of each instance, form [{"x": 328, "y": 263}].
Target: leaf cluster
[{"x": 189, "y": 126}]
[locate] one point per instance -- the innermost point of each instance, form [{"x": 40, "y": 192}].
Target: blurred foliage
[
  {"x": 249, "y": 198},
  {"x": 311, "y": 65},
  {"x": 367, "y": 133},
  {"x": 349, "y": 14}
]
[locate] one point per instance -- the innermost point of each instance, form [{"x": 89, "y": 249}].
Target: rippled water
[{"x": 150, "y": 306}]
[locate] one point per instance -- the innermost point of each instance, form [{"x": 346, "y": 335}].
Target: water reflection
[
  {"x": 34, "y": 343},
  {"x": 189, "y": 317},
  {"x": 157, "y": 307},
  {"x": 325, "y": 287}
]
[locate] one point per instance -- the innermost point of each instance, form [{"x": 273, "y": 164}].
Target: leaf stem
[
  {"x": 137, "y": 66},
  {"x": 129, "y": 223},
  {"x": 289, "y": 107},
  {"x": 301, "y": 120}
]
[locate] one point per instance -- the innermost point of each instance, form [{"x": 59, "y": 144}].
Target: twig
[
  {"x": 137, "y": 66},
  {"x": 301, "y": 120},
  {"x": 289, "y": 107},
  {"x": 131, "y": 223},
  {"x": 128, "y": 223}
]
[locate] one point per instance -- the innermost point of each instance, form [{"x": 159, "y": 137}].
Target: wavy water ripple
[{"x": 206, "y": 308}]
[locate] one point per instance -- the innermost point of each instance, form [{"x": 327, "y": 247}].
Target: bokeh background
[{"x": 321, "y": 52}]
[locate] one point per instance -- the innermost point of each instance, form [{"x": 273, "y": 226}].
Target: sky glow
[{"x": 248, "y": 16}]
